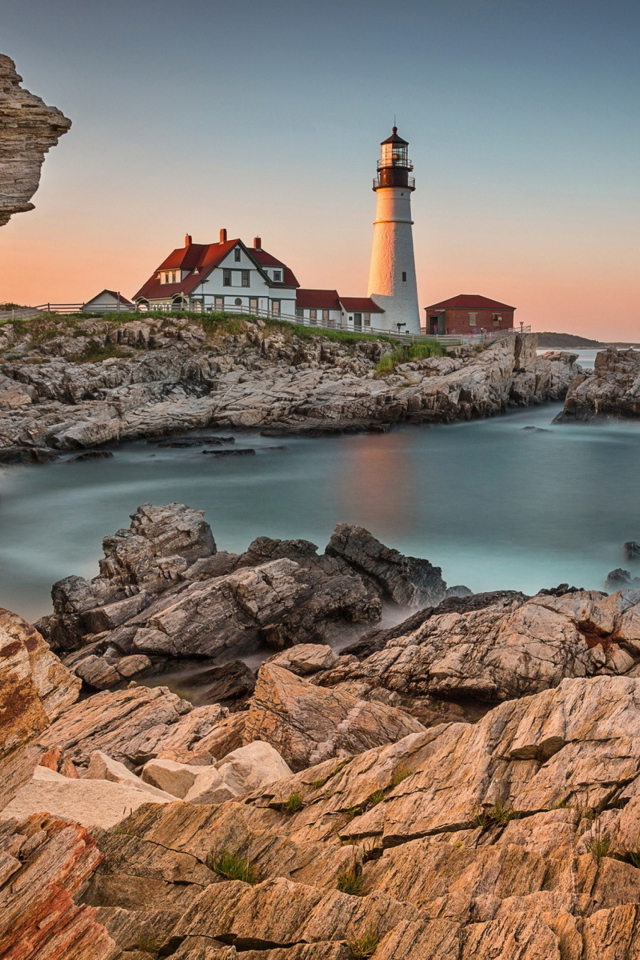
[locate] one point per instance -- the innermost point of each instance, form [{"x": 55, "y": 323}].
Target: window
[
  {"x": 245, "y": 278},
  {"x": 299, "y": 312},
  {"x": 253, "y": 304},
  {"x": 325, "y": 314},
  {"x": 277, "y": 275},
  {"x": 367, "y": 319},
  {"x": 313, "y": 315},
  {"x": 175, "y": 277},
  {"x": 404, "y": 277},
  {"x": 226, "y": 278},
  {"x": 219, "y": 304},
  {"x": 237, "y": 254},
  {"x": 275, "y": 308},
  {"x": 497, "y": 319},
  {"x": 238, "y": 302},
  {"x": 473, "y": 317}
]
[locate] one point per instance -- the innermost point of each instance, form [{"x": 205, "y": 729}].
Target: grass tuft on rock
[
  {"x": 148, "y": 943},
  {"x": 232, "y": 866},
  {"x": 351, "y": 881},
  {"x": 366, "y": 945},
  {"x": 293, "y": 804}
]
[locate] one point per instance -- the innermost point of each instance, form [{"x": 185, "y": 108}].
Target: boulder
[
  {"x": 131, "y": 726},
  {"x": 172, "y": 777},
  {"x": 407, "y": 581},
  {"x": 252, "y": 766},
  {"x": 306, "y": 658},
  {"x": 91, "y": 803},
  {"x": 102, "y": 767},
  {"x": 307, "y": 724}
]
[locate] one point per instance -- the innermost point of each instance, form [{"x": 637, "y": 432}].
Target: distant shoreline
[{"x": 570, "y": 340}]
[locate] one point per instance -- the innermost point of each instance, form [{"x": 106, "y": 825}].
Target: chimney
[
  {"x": 223, "y": 236},
  {"x": 257, "y": 243},
  {"x": 188, "y": 240}
]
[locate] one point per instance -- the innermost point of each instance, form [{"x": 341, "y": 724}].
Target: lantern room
[{"x": 394, "y": 164}]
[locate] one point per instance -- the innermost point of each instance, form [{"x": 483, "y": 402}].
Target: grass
[
  {"x": 95, "y": 352},
  {"x": 405, "y": 354},
  {"x": 351, "y": 881},
  {"x": 399, "y": 775},
  {"x": 148, "y": 943},
  {"x": 600, "y": 846},
  {"x": 122, "y": 830},
  {"x": 366, "y": 945},
  {"x": 376, "y": 798},
  {"x": 497, "y": 814},
  {"x": 293, "y": 804},
  {"x": 232, "y": 866}
]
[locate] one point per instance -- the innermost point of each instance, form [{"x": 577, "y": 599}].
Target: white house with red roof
[
  {"x": 328, "y": 307},
  {"x": 223, "y": 276}
]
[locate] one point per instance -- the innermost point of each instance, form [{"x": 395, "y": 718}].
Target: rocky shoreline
[
  {"x": 611, "y": 392},
  {"x": 463, "y": 783},
  {"x": 74, "y": 384}
]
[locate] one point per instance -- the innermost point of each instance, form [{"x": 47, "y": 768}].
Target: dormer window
[{"x": 277, "y": 275}]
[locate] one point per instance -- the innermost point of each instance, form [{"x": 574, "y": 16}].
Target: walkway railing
[{"x": 195, "y": 306}]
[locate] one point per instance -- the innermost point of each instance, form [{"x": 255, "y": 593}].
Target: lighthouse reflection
[{"x": 378, "y": 484}]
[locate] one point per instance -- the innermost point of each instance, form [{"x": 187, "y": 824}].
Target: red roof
[
  {"x": 204, "y": 257},
  {"x": 360, "y": 304},
  {"x": 267, "y": 260},
  {"x": 318, "y": 299},
  {"x": 470, "y": 301}
]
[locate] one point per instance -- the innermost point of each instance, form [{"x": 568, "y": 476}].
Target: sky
[{"x": 266, "y": 119}]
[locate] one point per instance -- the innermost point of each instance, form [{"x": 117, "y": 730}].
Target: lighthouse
[{"x": 392, "y": 276}]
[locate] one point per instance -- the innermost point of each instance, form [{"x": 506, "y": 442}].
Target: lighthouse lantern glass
[{"x": 395, "y": 155}]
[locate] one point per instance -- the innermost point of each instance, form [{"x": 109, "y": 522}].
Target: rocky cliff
[
  {"x": 28, "y": 129},
  {"x": 72, "y": 384},
  {"x": 610, "y": 392}
]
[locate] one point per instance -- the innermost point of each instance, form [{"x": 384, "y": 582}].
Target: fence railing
[{"x": 195, "y": 306}]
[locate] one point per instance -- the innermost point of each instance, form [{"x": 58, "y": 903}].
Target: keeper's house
[
  {"x": 469, "y": 313},
  {"x": 221, "y": 276},
  {"x": 328, "y": 307}
]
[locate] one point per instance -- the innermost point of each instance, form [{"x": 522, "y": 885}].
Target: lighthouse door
[{"x": 357, "y": 321}]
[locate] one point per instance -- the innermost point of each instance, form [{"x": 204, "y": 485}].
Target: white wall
[{"x": 391, "y": 257}]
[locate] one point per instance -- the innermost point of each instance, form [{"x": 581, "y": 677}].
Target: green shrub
[
  {"x": 232, "y": 866},
  {"x": 95, "y": 352}
]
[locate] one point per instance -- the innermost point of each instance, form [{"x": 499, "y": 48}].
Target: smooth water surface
[{"x": 494, "y": 504}]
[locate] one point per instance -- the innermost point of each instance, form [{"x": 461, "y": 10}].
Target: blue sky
[{"x": 266, "y": 118}]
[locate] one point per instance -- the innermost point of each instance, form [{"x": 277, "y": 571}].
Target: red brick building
[{"x": 469, "y": 313}]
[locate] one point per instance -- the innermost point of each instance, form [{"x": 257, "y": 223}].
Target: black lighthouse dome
[{"x": 394, "y": 164}]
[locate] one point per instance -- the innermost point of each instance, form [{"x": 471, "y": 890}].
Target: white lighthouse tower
[{"x": 392, "y": 277}]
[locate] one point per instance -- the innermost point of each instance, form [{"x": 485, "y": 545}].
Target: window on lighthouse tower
[{"x": 395, "y": 155}]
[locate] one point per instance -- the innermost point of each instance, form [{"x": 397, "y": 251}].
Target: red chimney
[
  {"x": 257, "y": 243},
  {"x": 188, "y": 240},
  {"x": 223, "y": 236}
]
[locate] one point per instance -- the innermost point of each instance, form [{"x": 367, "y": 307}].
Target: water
[{"x": 495, "y": 505}]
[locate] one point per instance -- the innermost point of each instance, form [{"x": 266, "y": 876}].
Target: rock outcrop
[
  {"x": 35, "y": 688},
  {"x": 513, "y": 837},
  {"x": 28, "y": 130},
  {"x": 168, "y": 376},
  {"x": 610, "y": 392},
  {"x": 165, "y": 592},
  {"x": 493, "y": 647}
]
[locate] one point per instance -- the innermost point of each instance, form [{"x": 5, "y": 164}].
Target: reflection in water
[
  {"x": 494, "y": 504},
  {"x": 378, "y": 473}
]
